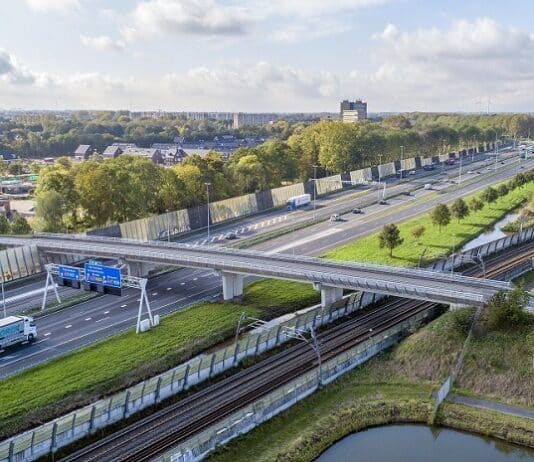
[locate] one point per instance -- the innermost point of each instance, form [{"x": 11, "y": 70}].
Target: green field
[
  {"x": 395, "y": 386},
  {"x": 52, "y": 388},
  {"x": 437, "y": 244}
]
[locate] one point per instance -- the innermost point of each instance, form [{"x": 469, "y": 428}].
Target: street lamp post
[
  {"x": 380, "y": 163},
  {"x": 208, "y": 201},
  {"x": 168, "y": 226},
  {"x": 402, "y": 158},
  {"x": 4, "y": 298},
  {"x": 314, "y": 187},
  {"x": 474, "y": 149}
]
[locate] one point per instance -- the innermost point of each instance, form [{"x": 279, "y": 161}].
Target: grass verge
[
  {"x": 396, "y": 386},
  {"x": 438, "y": 244},
  {"x": 53, "y": 388}
]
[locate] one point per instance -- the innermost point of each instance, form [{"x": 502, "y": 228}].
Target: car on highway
[
  {"x": 357, "y": 210},
  {"x": 335, "y": 217},
  {"x": 412, "y": 172},
  {"x": 230, "y": 236},
  {"x": 383, "y": 202}
]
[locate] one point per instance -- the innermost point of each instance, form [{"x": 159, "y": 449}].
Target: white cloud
[
  {"x": 11, "y": 72},
  {"x": 193, "y": 17},
  {"x": 102, "y": 43},
  {"x": 53, "y": 5}
]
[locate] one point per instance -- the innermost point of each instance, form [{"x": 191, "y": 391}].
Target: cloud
[
  {"x": 102, "y": 43},
  {"x": 53, "y": 5},
  {"x": 12, "y": 72},
  {"x": 191, "y": 17}
]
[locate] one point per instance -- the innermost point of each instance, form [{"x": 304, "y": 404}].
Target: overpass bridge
[{"x": 327, "y": 276}]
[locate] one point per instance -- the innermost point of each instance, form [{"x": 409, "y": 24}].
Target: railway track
[{"x": 154, "y": 434}]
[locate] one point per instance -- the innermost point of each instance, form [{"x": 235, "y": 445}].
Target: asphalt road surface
[{"x": 98, "y": 318}]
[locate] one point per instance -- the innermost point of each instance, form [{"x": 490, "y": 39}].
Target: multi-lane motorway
[{"x": 98, "y": 318}]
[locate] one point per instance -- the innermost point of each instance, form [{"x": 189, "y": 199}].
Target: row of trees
[{"x": 442, "y": 214}]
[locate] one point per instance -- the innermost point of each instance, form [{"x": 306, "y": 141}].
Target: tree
[
  {"x": 390, "y": 238},
  {"x": 459, "y": 209},
  {"x": 440, "y": 216},
  {"x": 476, "y": 204},
  {"x": 506, "y": 309},
  {"x": 489, "y": 195},
  {"x": 5, "y": 226},
  {"x": 502, "y": 190},
  {"x": 20, "y": 225},
  {"x": 51, "y": 207},
  {"x": 418, "y": 231}
]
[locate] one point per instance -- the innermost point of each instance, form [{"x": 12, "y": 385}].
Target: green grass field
[
  {"x": 438, "y": 244},
  {"x": 52, "y": 388}
]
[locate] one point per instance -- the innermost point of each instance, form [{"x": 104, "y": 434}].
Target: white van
[{"x": 335, "y": 217}]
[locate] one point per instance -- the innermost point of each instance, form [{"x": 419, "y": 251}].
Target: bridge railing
[{"x": 227, "y": 251}]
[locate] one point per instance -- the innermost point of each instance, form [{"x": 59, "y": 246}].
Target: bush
[{"x": 506, "y": 309}]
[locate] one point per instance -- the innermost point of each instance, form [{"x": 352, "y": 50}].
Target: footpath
[{"x": 492, "y": 406}]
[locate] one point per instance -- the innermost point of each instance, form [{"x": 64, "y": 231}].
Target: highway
[{"x": 72, "y": 328}]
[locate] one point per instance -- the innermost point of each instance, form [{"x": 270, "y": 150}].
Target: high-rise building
[
  {"x": 245, "y": 118},
  {"x": 352, "y": 111}
]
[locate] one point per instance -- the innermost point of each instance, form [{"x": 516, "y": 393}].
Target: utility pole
[
  {"x": 208, "y": 201},
  {"x": 168, "y": 226}
]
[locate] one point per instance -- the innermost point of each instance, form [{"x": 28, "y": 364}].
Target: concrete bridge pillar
[
  {"x": 329, "y": 294},
  {"x": 138, "y": 268},
  {"x": 232, "y": 285}
]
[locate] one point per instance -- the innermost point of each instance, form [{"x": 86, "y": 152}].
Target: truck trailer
[
  {"x": 295, "y": 202},
  {"x": 16, "y": 329}
]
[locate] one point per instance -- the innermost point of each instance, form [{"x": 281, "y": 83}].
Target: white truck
[
  {"x": 293, "y": 203},
  {"x": 16, "y": 329}
]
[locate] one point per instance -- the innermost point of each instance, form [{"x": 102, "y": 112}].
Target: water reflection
[
  {"x": 492, "y": 235},
  {"x": 419, "y": 443}
]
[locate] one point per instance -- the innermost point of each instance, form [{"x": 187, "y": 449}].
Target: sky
[{"x": 267, "y": 55}]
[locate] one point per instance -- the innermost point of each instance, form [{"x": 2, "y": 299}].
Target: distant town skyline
[{"x": 267, "y": 56}]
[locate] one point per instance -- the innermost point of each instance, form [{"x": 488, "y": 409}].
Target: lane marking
[
  {"x": 195, "y": 279},
  {"x": 103, "y": 319},
  {"x": 124, "y": 306},
  {"x": 182, "y": 283},
  {"x": 305, "y": 240},
  {"x": 106, "y": 312},
  {"x": 169, "y": 288},
  {"x": 47, "y": 334},
  {"x": 88, "y": 319},
  {"x": 68, "y": 326},
  {"x": 154, "y": 294}
]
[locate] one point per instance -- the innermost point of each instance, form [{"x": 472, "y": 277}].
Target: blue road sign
[
  {"x": 69, "y": 272},
  {"x": 108, "y": 276}
]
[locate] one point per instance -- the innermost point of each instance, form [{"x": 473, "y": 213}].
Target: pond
[
  {"x": 419, "y": 443},
  {"x": 492, "y": 235}
]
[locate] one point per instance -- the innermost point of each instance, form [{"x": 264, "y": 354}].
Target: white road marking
[
  {"x": 182, "y": 283},
  {"x": 154, "y": 294},
  {"x": 68, "y": 326},
  {"x": 28, "y": 294},
  {"x": 106, "y": 312},
  {"x": 195, "y": 279},
  {"x": 305, "y": 240},
  {"x": 103, "y": 319},
  {"x": 124, "y": 306},
  {"x": 169, "y": 288},
  {"x": 88, "y": 319},
  {"x": 47, "y": 334}
]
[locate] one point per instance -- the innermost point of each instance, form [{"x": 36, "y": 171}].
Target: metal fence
[
  {"x": 82, "y": 422},
  {"x": 250, "y": 416}
]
